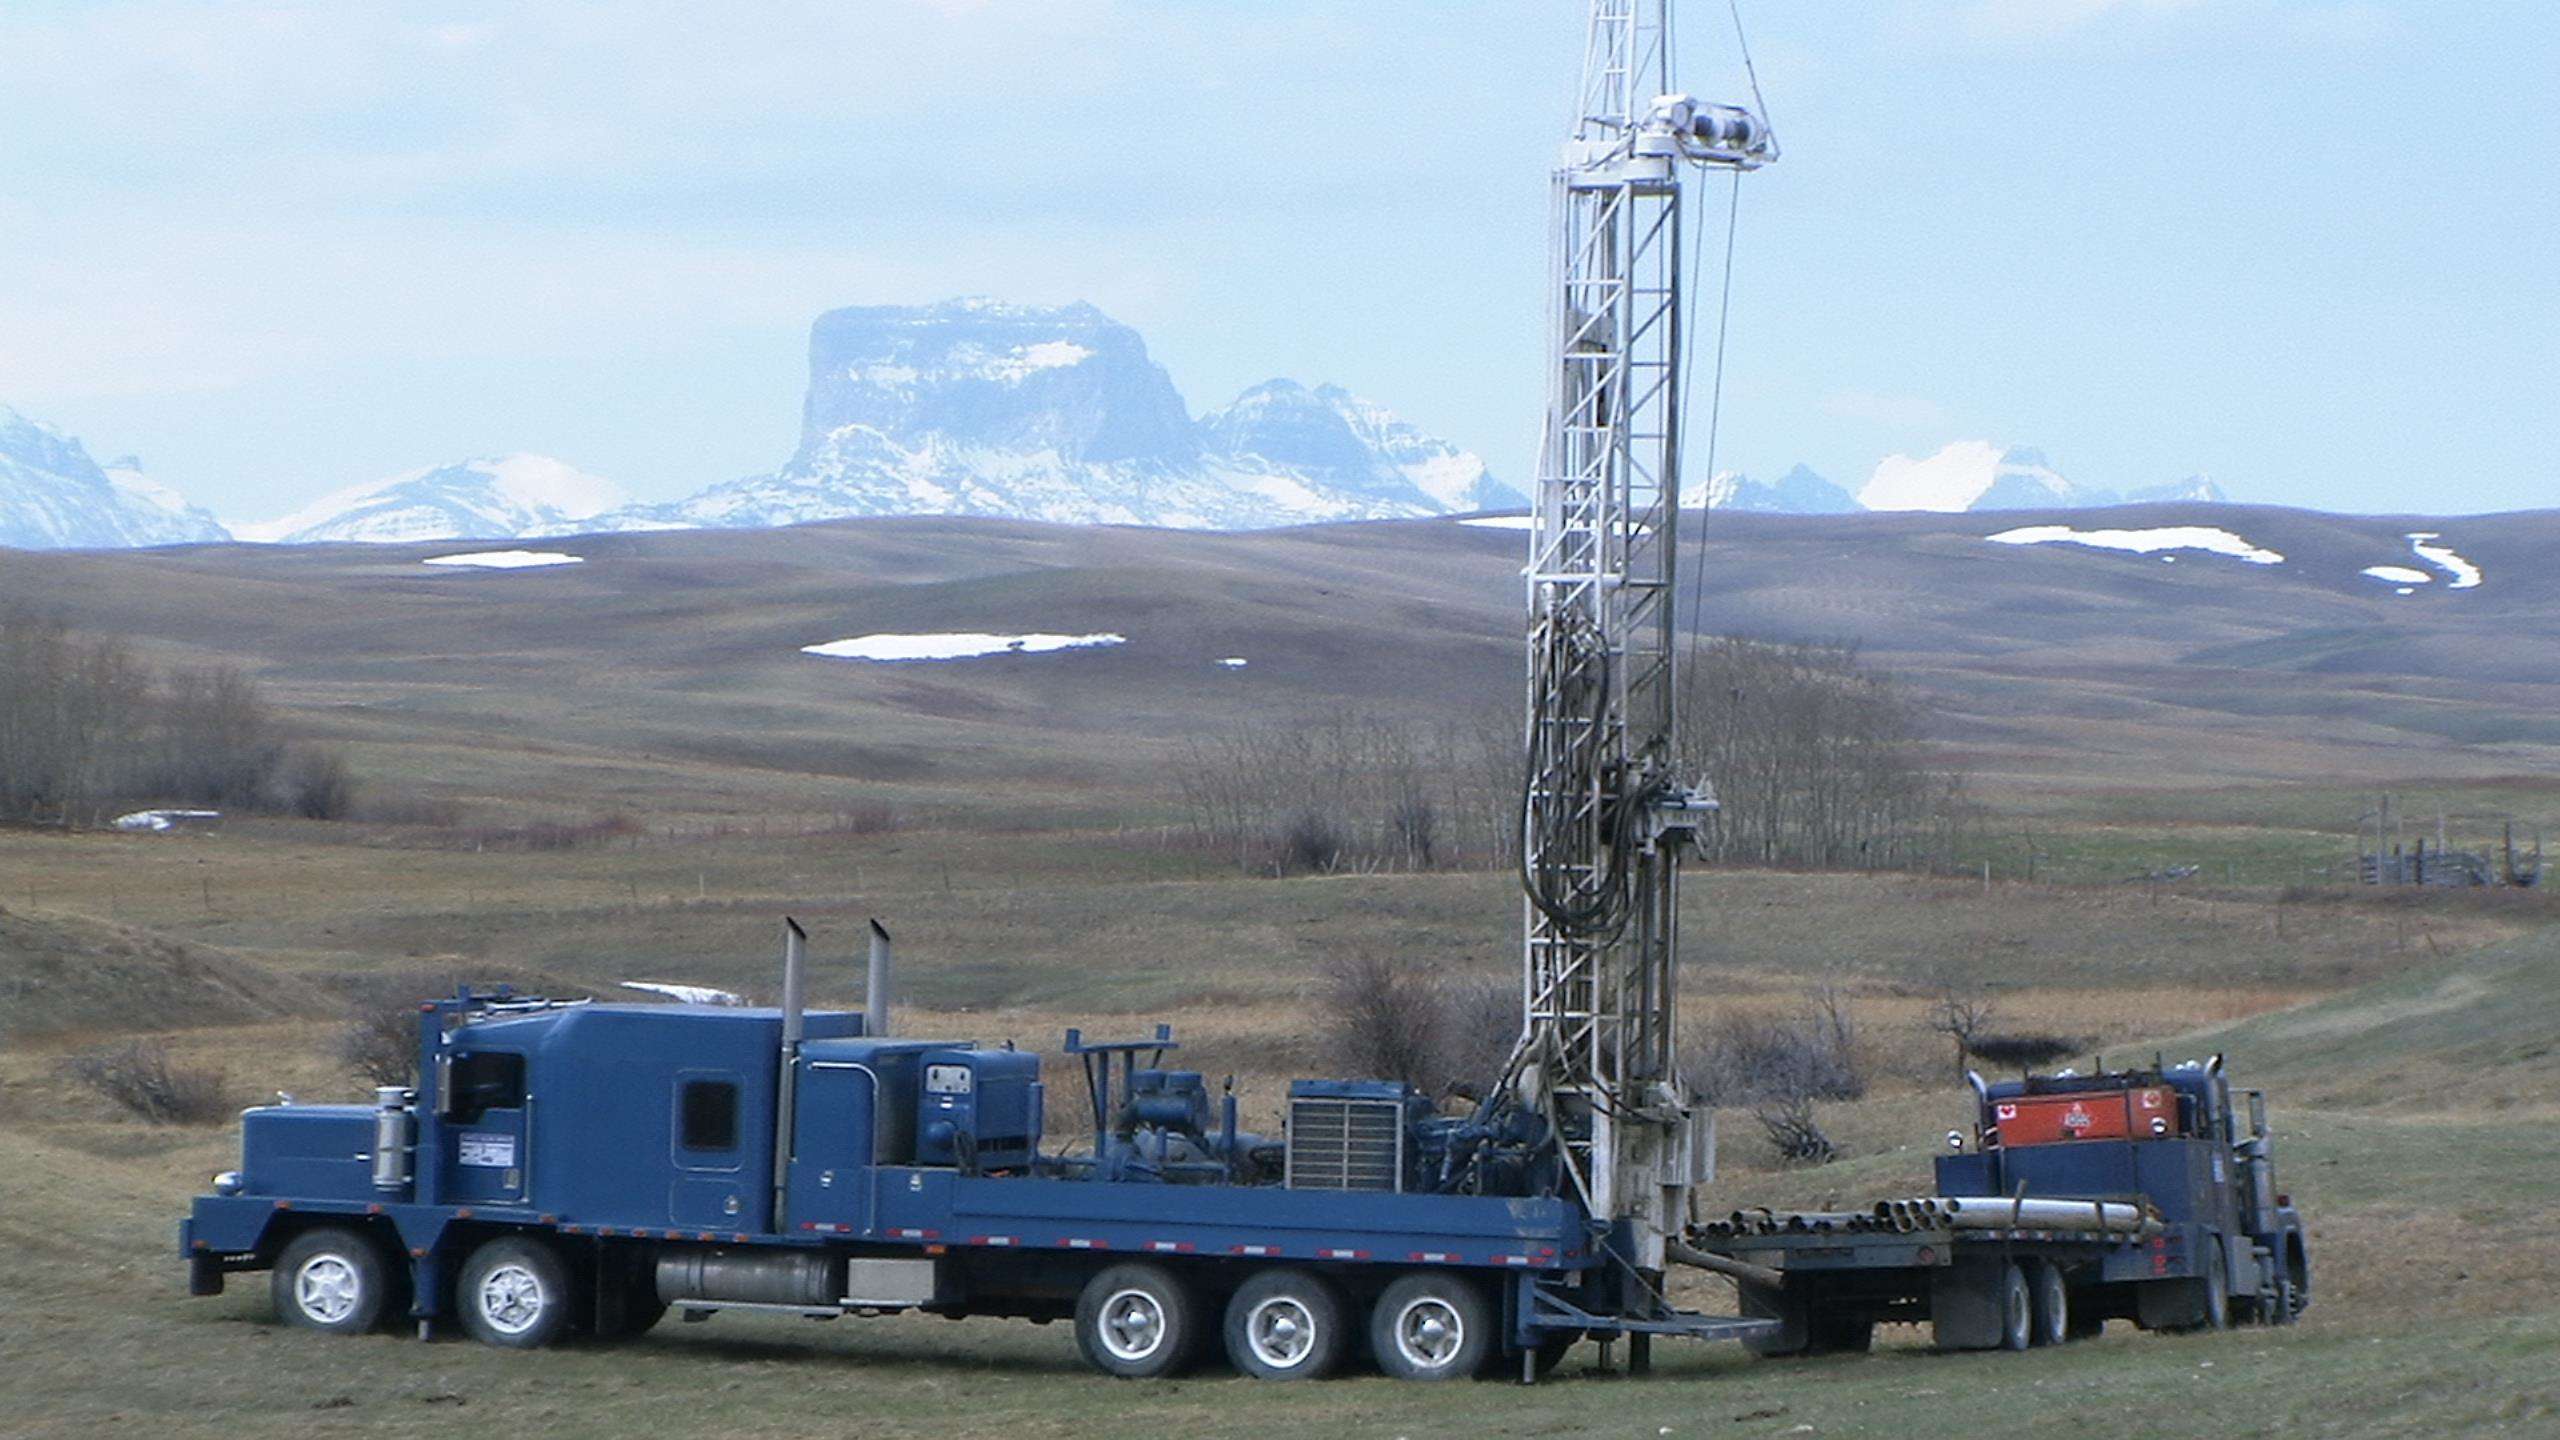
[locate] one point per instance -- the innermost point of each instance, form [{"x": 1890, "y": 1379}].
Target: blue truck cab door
[
  {"x": 487, "y": 1157},
  {"x": 715, "y": 1187},
  {"x": 833, "y": 1148}
]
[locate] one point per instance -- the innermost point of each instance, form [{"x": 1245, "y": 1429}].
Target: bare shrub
[
  {"x": 1439, "y": 1033},
  {"x": 1313, "y": 842},
  {"x": 1795, "y": 1133},
  {"x": 1479, "y": 1021},
  {"x": 139, "y": 1076},
  {"x": 315, "y": 784},
  {"x": 2025, "y": 1050},
  {"x": 379, "y": 1037},
  {"x": 1750, "y": 1059},
  {"x": 1381, "y": 1019}
]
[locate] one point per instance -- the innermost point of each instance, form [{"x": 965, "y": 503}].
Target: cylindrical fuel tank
[{"x": 756, "y": 1277}]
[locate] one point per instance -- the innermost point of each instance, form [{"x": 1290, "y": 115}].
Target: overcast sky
[{"x": 2309, "y": 247}]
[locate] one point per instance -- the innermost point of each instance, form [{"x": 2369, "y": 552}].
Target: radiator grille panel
[{"x": 1339, "y": 1144}]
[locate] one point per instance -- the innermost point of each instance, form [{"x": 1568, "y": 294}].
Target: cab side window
[
  {"x": 707, "y": 1113},
  {"x": 483, "y": 1081}
]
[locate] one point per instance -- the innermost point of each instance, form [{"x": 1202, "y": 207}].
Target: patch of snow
[
  {"x": 506, "y": 559},
  {"x": 2466, "y": 576},
  {"x": 2399, "y": 575},
  {"x": 1024, "y": 361},
  {"x": 156, "y": 821},
  {"x": 685, "y": 994},
  {"x": 955, "y": 646},
  {"x": 1235, "y": 662},
  {"x": 1501, "y": 522},
  {"x": 2404, "y": 590},
  {"x": 2142, "y": 542}
]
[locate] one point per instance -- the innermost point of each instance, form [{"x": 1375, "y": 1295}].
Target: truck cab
[{"x": 2169, "y": 1138}]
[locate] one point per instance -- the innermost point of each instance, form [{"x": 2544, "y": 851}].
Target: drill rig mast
[{"x": 1604, "y": 818}]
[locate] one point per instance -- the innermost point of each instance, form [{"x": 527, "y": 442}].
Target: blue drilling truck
[
  {"x": 567, "y": 1168},
  {"x": 2146, "y": 1194}
]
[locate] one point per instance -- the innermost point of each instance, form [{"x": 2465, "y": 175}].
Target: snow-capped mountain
[
  {"x": 502, "y": 497},
  {"x": 53, "y": 496},
  {"x": 2199, "y": 489},
  {"x": 1974, "y": 475},
  {"x": 977, "y": 407},
  {"x": 1355, "y": 445},
  {"x": 1798, "y": 492}
]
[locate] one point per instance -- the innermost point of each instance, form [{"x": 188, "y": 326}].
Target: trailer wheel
[
  {"x": 1286, "y": 1325},
  {"x": 514, "y": 1293},
  {"x": 1432, "y": 1325},
  {"x": 2017, "y": 1308},
  {"x": 332, "y": 1280},
  {"x": 2052, "y": 1303},
  {"x": 1137, "y": 1321}
]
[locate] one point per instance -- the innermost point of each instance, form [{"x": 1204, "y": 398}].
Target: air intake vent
[{"x": 1343, "y": 1141}]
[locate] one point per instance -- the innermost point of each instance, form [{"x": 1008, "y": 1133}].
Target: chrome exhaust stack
[
  {"x": 795, "y": 1024},
  {"x": 875, "y": 989}
]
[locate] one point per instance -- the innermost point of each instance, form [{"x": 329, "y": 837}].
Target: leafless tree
[
  {"x": 1961, "y": 1016},
  {"x": 1816, "y": 759},
  {"x": 85, "y": 725}
]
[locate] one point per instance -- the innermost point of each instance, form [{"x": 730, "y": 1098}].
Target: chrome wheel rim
[
  {"x": 511, "y": 1299},
  {"x": 1281, "y": 1331},
  {"x": 1133, "y": 1324},
  {"x": 327, "y": 1288},
  {"x": 1429, "y": 1332}
]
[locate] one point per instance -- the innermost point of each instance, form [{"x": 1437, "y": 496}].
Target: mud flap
[
  {"x": 204, "y": 1274},
  {"x": 2169, "y": 1304},
  {"x": 1965, "y": 1305}
]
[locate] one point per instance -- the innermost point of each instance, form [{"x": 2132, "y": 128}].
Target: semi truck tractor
[{"x": 2146, "y": 1195}]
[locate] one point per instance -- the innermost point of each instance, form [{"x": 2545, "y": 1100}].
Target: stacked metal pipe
[{"x": 1919, "y": 1213}]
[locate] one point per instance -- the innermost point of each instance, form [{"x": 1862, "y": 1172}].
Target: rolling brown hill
[{"x": 2052, "y": 665}]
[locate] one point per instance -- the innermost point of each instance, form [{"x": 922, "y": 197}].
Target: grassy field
[{"x": 1011, "y": 822}]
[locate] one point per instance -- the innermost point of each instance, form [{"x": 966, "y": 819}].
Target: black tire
[
  {"x": 2217, "y": 1289},
  {"x": 514, "y": 1293},
  {"x": 2052, "y": 1299},
  {"x": 1432, "y": 1325},
  {"x": 1287, "y": 1325},
  {"x": 335, "y": 1281},
  {"x": 1139, "y": 1322},
  {"x": 2017, "y": 1308}
]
